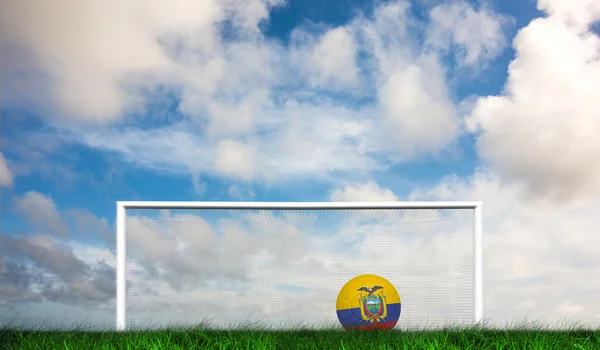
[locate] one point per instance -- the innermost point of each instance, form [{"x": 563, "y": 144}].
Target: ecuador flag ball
[{"x": 368, "y": 302}]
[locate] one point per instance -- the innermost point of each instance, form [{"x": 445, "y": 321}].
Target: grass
[{"x": 203, "y": 337}]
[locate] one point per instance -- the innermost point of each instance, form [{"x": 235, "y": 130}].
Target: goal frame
[{"x": 121, "y": 239}]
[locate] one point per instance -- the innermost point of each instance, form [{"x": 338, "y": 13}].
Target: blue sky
[
  {"x": 114, "y": 179},
  {"x": 304, "y": 101}
]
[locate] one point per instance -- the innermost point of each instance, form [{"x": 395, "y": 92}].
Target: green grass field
[{"x": 201, "y": 338}]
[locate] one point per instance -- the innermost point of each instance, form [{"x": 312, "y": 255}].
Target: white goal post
[{"x": 475, "y": 232}]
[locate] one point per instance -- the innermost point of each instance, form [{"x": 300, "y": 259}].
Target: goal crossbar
[{"x": 121, "y": 241}]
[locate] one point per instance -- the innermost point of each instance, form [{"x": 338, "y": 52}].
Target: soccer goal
[{"x": 263, "y": 264}]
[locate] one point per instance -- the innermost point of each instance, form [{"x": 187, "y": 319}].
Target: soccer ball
[{"x": 368, "y": 302}]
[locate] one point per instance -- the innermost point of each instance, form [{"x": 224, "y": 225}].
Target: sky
[{"x": 272, "y": 100}]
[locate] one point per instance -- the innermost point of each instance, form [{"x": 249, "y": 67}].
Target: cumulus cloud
[
  {"x": 418, "y": 115},
  {"x": 194, "y": 251},
  {"x": 536, "y": 253},
  {"x": 417, "y": 109},
  {"x": 313, "y": 140},
  {"x": 241, "y": 115},
  {"x": 87, "y": 225},
  {"x": 6, "y": 175},
  {"x": 237, "y": 91},
  {"x": 581, "y": 14},
  {"x": 543, "y": 129},
  {"x": 328, "y": 61},
  {"x": 40, "y": 210},
  {"x": 43, "y": 270},
  {"x": 92, "y": 52},
  {"x": 178, "y": 261},
  {"x": 366, "y": 192},
  {"x": 235, "y": 159},
  {"x": 15, "y": 284},
  {"x": 474, "y": 37},
  {"x": 39, "y": 268}
]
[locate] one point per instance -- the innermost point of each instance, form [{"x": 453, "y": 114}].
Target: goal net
[{"x": 282, "y": 265}]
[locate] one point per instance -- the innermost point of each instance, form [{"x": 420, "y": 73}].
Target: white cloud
[
  {"x": 40, "y": 210},
  {"x": 6, "y": 175},
  {"x": 227, "y": 118},
  {"x": 539, "y": 138},
  {"x": 44, "y": 269},
  {"x": 56, "y": 282},
  {"x": 329, "y": 61},
  {"x": 538, "y": 257},
  {"x": 92, "y": 254},
  {"x": 311, "y": 140},
  {"x": 235, "y": 159},
  {"x": 543, "y": 130},
  {"x": 579, "y": 13},
  {"x": 177, "y": 261},
  {"x": 241, "y": 90},
  {"x": 98, "y": 53},
  {"x": 419, "y": 114},
  {"x": 366, "y": 192},
  {"x": 238, "y": 192},
  {"x": 476, "y": 37},
  {"x": 536, "y": 253},
  {"x": 88, "y": 225}
]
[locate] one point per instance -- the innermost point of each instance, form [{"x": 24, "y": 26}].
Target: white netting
[{"x": 280, "y": 268}]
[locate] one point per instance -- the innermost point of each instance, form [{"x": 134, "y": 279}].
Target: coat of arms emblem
[{"x": 372, "y": 307}]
